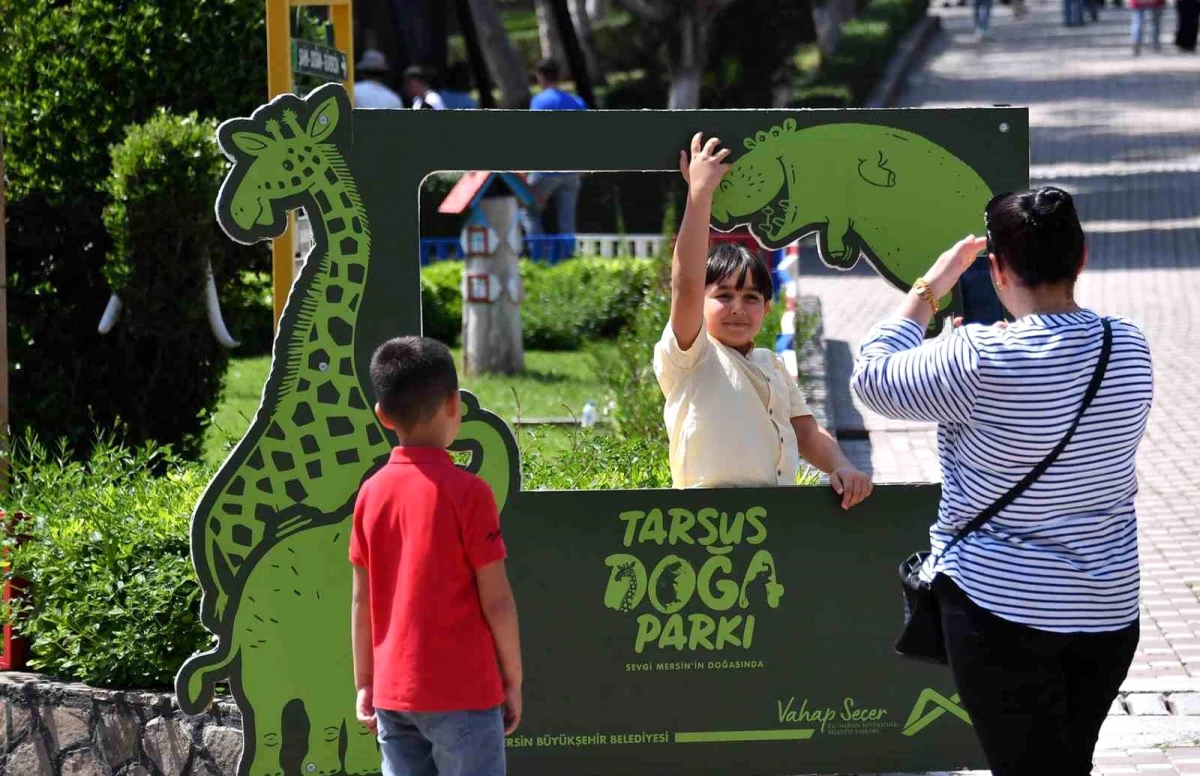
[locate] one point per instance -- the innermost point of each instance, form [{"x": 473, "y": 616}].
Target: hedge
[
  {"x": 164, "y": 243},
  {"x": 114, "y": 600},
  {"x": 73, "y": 77},
  {"x": 565, "y": 304},
  {"x": 847, "y": 77}
]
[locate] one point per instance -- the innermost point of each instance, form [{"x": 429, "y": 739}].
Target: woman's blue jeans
[
  {"x": 1073, "y": 12},
  {"x": 983, "y": 14},
  {"x": 1139, "y": 21}
]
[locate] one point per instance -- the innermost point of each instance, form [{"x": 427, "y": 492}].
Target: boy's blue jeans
[{"x": 452, "y": 743}]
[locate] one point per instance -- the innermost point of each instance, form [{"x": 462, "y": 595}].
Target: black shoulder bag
[{"x": 922, "y": 637}]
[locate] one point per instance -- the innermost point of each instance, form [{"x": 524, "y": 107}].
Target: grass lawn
[{"x": 554, "y": 385}]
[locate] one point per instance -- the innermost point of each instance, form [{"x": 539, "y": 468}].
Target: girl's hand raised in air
[{"x": 707, "y": 166}]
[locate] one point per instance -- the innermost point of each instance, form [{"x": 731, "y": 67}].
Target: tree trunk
[
  {"x": 575, "y": 59},
  {"x": 491, "y": 332},
  {"x": 688, "y": 66},
  {"x": 501, "y": 57},
  {"x": 549, "y": 40},
  {"x": 583, "y": 30},
  {"x": 598, "y": 10},
  {"x": 475, "y": 59},
  {"x": 828, "y": 17}
]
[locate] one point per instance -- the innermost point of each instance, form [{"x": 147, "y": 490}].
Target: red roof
[
  {"x": 470, "y": 187},
  {"x": 461, "y": 196}
]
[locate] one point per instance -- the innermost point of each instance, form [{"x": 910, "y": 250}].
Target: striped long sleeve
[
  {"x": 1062, "y": 557},
  {"x": 897, "y": 376}
]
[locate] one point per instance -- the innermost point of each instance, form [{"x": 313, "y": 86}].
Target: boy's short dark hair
[
  {"x": 731, "y": 259},
  {"x": 412, "y": 376},
  {"x": 548, "y": 69}
]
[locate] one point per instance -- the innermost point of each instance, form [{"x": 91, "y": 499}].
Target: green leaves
[
  {"x": 114, "y": 600},
  {"x": 73, "y": 76},
  {"x": 565, "y": 304}
]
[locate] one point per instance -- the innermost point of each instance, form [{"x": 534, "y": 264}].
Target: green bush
[
  {"x": 114, "y": 600},
  {"x": 596, "y": 462},
  {"x": 441, "y": 301},
  {"x": 73, "y": 76},
  {"x": 823, "y": 96},
  {"x": 565, "y": 304},
  {"x": 867, "y": 42},
  {"x": 165, "y": 177},
  {"x": 580, "y": 299}
]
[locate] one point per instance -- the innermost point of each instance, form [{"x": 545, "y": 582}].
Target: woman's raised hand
[
  {"x": 707, "y": 167},
  {"x": 950, "y": 266}
]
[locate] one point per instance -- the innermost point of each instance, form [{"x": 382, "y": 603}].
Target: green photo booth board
[{"x": 726, "y": 631}]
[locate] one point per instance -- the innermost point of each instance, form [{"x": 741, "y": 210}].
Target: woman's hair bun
[{"x": 1050, "y": 204}]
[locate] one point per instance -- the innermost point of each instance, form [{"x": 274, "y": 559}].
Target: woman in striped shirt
[{"x": 1040, "y": 605}]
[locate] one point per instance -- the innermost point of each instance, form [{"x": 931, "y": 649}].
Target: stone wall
[{"x": 56, "y": 729}]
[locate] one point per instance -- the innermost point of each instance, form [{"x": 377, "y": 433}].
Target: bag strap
[{"x": 1040, "y": 469}]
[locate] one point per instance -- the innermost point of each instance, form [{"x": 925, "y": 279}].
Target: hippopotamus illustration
[{"x": 886, "y": 195}]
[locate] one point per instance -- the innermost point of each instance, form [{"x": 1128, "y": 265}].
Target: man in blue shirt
[{"x": 560, "y": 187}]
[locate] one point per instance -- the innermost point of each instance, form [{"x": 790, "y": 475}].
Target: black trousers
[
  {"x": 1189, "y": 22},
  {"x": 1036, "y": 699}
]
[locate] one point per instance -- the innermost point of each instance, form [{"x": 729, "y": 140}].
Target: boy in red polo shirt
[{"x": 437, "y": 656}]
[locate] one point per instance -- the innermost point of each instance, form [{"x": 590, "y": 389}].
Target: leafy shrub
[
  {"x": 749, "y": 55},
  {"x": 596, "y": 462},
  {"x": 165, "y": 177},
  {"x": 823, "y": 96},
  {"x": 441, "y": 301},
  {"x": 580, "y": 299},
  {"x": 114, "y": 601},
  {"x": 73, "y": 76},
  {"x": 866, "y": 44},
  {"x": 565, "y": 304}
]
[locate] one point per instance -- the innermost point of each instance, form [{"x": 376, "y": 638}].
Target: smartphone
[{"x": 980, "y": 301}]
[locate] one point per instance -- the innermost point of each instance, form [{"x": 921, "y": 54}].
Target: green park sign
[
  {"x": 730, "y": 631},
  {"x": 317, "y": 60}
]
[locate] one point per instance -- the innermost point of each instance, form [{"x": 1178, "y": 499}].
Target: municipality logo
[{"x": 930, "y": 707}]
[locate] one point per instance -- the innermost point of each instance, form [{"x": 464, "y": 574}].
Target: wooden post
[
  {"x": 343, "y": 40},
  {"x": 279, "y": 81},
  {"x": 492, "y": 325}
]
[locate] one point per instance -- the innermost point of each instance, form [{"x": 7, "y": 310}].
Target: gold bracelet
[{"x": 921, "y": 286}]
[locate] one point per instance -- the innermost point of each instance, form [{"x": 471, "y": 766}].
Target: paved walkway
[{"x": 1123, "y": 135}]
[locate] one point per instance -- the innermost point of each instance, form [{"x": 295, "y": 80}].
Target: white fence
[{"x": 642, "y": 246}]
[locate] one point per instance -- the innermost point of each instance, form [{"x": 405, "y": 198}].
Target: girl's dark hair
[
  {"x": 730, "y": 259},
  {"x": 1036, "y": 235}
]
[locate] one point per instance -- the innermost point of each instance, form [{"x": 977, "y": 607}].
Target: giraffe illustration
[
  {"x": 270, "y": 534},
  {"x": 626, "y": 582},
  {"x": 315, "y": 437}
]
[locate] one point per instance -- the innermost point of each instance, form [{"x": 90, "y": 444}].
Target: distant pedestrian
[
  {"x": 1141, "y": 9},
  {"x": 1039, "y": 606},
  {"x": 419, "y": 82},
  {"x": 983, "y": 17},
  {"x": 1189, "y": 20},
  {"x": 560, "y": 187},
  {"x": 369, "y": 89},
  {"x": 456, "y": 88},
  {"x": 1073, "y": 12}
]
